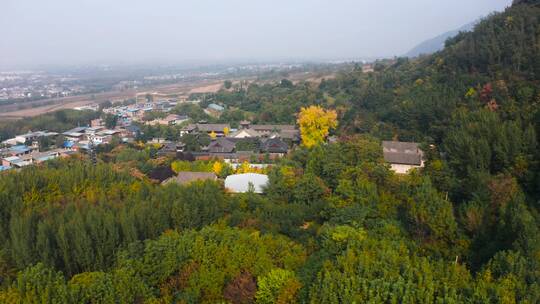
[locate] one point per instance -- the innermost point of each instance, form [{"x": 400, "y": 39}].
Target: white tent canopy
[{"x": 242, "y": 183}]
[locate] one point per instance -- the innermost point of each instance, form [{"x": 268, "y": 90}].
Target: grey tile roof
[
  {"x": 290, "y": 134},
  {"x": 171, "y": 147},
  {"x": 216, "y": 107},
  {"x": 274, "y": 145},
  {"x": 270, "y": 128},
  {"x": 218, "y": 128},
  {"x": 406, "y": 153},
  {"x": 189, "y": 128},
  {"x": 399, "y": 146},
  {"x": 403, "y": 158},
  {"x": 221, "y": 145},
  {"x": 184, "y": 178}
]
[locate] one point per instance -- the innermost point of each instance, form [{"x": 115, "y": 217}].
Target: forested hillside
[
  {"x": 335, "y": 224},
  {"x": 437, "y": 43}
]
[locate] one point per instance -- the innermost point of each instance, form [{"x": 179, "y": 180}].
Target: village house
[
  {"x": 185, "y": 178},
  {"x": 123, "y": 121},
  {"x": 99, "y": 139},
  {"x": 15, "y": 162},
  {"x": 403, "y": 156},
  {"x": 98, "y": 122},
  {"x": 170, "y": 120},
  {"x": 102, "y": 137},
  {"x": 93, "y": 130},
  {"x": 32, "y": 136},
  {"x": 129, "y": 132},
  {"x": 218, "y": 129},
  {"x": 10, "y": 142},
  {"x": 368, "y": 68},
  {"x": 245, "y": 133},
  {"x": 236, "y": 149},
  {"x": 267, "y": 129},
  {"x": 171, "y": 149},
  {"x": 82, "y": 136},
  {"x": 221, "y": 145},
  {"x": 274, "y": 146},
  {"x": 34, "y": 157},
  {"x": 17, "y": 150},
  {"x": 74, "y": 136},
  {"x": 162, "y": 106},
  {"x": 132, "y": 112},
  {"x": 248, "y": 130},
  {"x": 214, "y": 110}
]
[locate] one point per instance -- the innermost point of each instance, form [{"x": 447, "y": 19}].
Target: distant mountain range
[{"x": 436, "y": 44}]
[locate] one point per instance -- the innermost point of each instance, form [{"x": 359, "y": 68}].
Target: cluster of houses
[
  {"x": 24, "y": 149},
  {"x": 84, "y": 137},
  {"x": 402, "y": 157},
  {"x": 246, "y": 130},
  {"x": 127, "y": 114},
  {"x": 248, "y": 142},
  {"x": 263, "y": 142},
  {"x": 237, "y": 145},
  {"x": 169, "y": 120}
]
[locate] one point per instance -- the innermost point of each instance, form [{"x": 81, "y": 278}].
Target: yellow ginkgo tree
[
  {"x": 217, "y": 167},
  {"x": 315, "y": 124}
]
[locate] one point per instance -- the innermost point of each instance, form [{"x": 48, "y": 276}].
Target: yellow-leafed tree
[
  {"x": 315, "y": 124},
  {"x": 217, "y": 168},
  {"x": 245, "y": 167}
]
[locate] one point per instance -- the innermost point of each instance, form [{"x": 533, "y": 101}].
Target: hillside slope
[{"x": 436, "y": 44}]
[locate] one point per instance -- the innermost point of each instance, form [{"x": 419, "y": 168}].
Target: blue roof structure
[
  {"x": 4, "y": 168},
  {"x": 19, "y": 149},
  {"x": 68, "y": 144},
  {"x": 46, "y": 157},
  {"x": 216, "y": 107}
]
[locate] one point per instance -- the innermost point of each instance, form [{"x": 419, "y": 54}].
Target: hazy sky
[{"x": 176, "y": 31}]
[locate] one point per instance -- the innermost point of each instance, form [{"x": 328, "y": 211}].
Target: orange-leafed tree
[{"x": 315, "y": 124}]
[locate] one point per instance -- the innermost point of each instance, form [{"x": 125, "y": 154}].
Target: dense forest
[{"x": 335, "y": 224}]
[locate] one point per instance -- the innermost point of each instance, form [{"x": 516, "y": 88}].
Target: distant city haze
[{"x": 73, "y": 32}]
